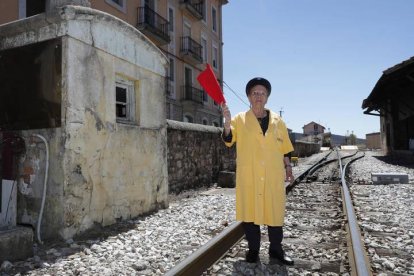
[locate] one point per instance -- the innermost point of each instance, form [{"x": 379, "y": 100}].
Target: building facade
[
  {"x": 189, "y": 33},
  {"x": 392, "y": 100}
]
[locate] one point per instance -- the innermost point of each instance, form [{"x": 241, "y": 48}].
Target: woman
[{"x": 262, "y": 144}]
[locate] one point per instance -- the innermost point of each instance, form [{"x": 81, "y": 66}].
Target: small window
[
  {"x": 205, "y": 12},
  {"x": 118, "y": 4},
  {"x": 205, "y": 121},
  {"x": 170, "y": 79},
  {"x": 204, "y": 49},
  {"x": 171, "y": 19},
  {"x": 125, "y": 101},
  {"x": 215, "y": 57},
  {"x": 172, "y": 70},
  {"x": 34, "y": 7},
  {"x": 188, "y": 119},
  {"x": 215, "y": 124},
  {"x": 214, "y": 18},
  {"x": 205, "y": 96}
]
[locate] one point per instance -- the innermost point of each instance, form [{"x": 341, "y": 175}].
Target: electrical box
[
  {"x": 389, "y": 178},
  {"x": 7, "y": 203}
]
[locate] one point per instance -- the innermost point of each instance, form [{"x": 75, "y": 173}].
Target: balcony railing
[
  {"x": 191, "y": 48},
  {"x": 153, "y": 24},
  {"x": 195, "y": 7},
  {"x": 192, "y": 94}
]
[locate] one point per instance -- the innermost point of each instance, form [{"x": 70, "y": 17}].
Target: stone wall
[
  {"x": 196, "y": 154},
  {"x": 303, "y": 149}
]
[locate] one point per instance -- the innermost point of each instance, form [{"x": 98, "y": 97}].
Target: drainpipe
[{"x": 39, "y": 221}]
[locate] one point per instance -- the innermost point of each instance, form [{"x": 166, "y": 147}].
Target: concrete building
[
  {"x": 83, "y": 128},
  {"x": 392, "y": 100},
  {"x": 313, "y": 128}
]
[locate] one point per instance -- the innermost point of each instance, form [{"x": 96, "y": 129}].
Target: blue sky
[{"x": 322, "y": 57}]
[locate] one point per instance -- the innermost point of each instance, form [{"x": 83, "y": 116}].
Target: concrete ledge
[
  {"x": 171, "y": 124},
  {"x": 16, "y": 244}
]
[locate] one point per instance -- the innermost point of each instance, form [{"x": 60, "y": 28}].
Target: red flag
[{"x": 208, "y": 81}]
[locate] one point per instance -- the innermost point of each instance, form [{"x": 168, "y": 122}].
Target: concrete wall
[
  {"x": 196, "y": 154},
  {"x": 122, "y": 168}
]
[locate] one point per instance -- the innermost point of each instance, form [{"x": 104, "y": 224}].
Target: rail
[
  {"x": 358, "y": 258},
  {"x": 207, "y": 255}
]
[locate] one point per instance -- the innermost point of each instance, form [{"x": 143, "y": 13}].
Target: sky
[{"x": 322, "y": 57}]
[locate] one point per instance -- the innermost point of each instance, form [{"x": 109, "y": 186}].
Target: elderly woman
[{"x": 262, "y": 145}]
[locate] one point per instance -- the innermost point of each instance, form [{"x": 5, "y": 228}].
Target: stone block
[
  {"x": 16, "y": 244},
  {"x": 226, "y": 179},
  {"x": 389, "y": 178}
]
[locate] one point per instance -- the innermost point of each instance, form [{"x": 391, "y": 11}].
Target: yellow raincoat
[{"x": 260, "y": 175}]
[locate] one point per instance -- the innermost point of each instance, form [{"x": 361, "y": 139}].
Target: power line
[{"x": 235, "y": 93}]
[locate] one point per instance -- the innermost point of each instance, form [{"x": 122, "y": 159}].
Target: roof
[
  {"x": 313, "y": 123},
  {"x": 394, "y": 81}
]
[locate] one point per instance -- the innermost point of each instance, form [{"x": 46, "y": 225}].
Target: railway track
[{"x": 317, "y": 229}]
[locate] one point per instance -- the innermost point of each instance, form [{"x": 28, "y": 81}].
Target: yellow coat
[{"x": 260, "y": 175}]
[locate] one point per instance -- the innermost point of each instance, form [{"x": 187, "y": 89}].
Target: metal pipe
[{"x": 39, "y": 221}]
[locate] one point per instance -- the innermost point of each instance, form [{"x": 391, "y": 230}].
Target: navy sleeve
[{"x": 227, "y": 138}]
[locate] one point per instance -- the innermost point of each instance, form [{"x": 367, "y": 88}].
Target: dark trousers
[{"x": 252, "y": 232}]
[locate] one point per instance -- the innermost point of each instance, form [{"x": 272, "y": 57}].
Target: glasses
[{"x": 258, "y": 93}]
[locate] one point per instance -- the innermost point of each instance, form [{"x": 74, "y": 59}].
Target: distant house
[{"x": 313, "y": 129}]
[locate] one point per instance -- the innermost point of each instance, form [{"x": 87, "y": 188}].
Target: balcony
[
  {"x": 192, "y": 94},
  {"x": 190, "y": 50},
  {"x": 194, "y": 7},
  {"x": 153, "y": 25}
]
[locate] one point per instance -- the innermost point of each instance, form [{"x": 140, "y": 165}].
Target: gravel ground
[
  {"x": 153, "y": 244},
  {"x": 386, "y": 215}
]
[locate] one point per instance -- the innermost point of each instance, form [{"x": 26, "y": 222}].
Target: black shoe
[
  {"x": 280, "y": 256},
  {"x": 252, "y": 256}
]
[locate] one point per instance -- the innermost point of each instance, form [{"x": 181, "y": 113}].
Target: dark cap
[{"x": 258, "y": 81}]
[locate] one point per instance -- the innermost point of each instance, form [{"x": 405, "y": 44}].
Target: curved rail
[
  {"x": 359, "y": 256},
  {"x": 208, "y": 254}
]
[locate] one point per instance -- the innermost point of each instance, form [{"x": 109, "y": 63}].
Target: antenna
[{"x": 281, "y": 111}]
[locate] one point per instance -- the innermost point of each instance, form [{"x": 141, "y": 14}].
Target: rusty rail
[{"x": 208, "y": 254}]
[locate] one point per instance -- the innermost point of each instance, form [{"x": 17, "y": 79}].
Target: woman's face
[{"x": 258, "y": 96}]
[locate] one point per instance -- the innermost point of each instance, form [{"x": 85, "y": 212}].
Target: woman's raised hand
[{"x": 227, "y": 117}]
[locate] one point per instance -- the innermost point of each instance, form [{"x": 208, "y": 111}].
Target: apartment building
[{"x": 189, "y": 32}]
